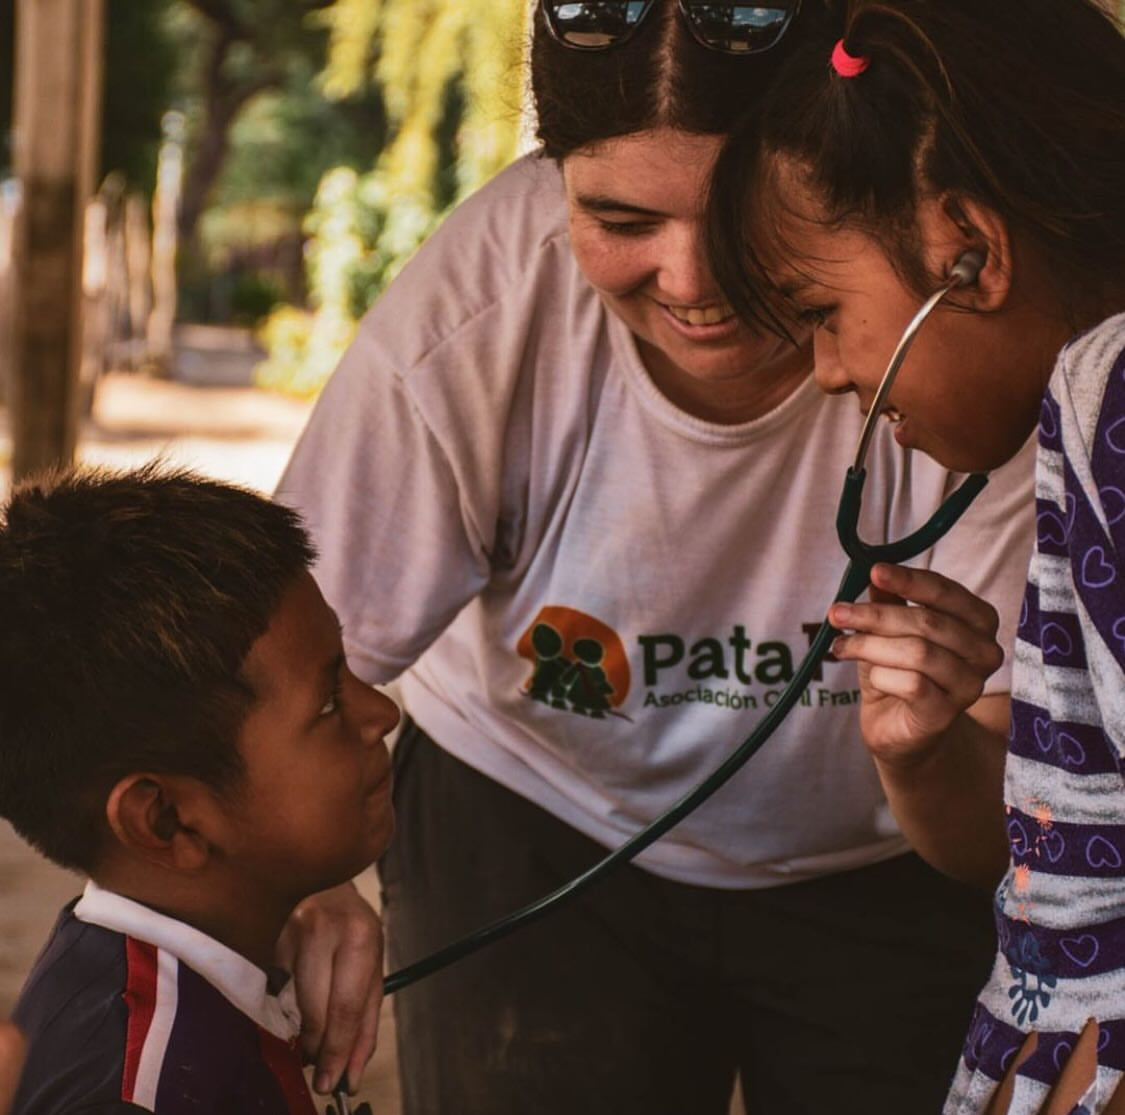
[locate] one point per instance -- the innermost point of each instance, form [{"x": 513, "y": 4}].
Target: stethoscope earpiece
[{"x": 968, "y": 268}]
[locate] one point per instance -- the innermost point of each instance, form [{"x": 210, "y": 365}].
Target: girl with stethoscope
[{"x": 911, "y": 132}]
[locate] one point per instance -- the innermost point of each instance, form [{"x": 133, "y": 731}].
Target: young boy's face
[{"x": 315, "y": 806}]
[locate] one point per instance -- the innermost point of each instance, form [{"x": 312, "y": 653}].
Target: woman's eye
[
  {"x": 625, "y": 228},
  {"x": 332, "y": 705}
]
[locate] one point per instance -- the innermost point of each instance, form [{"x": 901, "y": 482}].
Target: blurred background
[
  {"x": 213, "y": 191},
  {"x": 198, "y": 201}
]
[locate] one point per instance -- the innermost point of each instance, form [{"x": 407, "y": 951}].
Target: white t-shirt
[{"x": 594, "y": 595}]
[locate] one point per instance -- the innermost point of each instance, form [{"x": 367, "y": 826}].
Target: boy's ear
[
  {"x": 971, "y": 226},
  {"x": 156, "y": 816}
]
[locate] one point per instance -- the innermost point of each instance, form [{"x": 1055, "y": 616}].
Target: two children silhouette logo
[{"x": 579, "y": 663}]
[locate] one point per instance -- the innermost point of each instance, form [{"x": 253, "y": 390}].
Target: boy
[{"x": 177, "y": 721}]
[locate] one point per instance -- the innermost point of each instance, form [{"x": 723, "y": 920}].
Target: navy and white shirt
[{"x": 129, "y": 1010}]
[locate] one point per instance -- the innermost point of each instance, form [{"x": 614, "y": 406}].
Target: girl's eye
[{"x": 816, "y": 316}]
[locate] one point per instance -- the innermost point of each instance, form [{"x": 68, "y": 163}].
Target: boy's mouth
[{"x": 379, "y": 782}]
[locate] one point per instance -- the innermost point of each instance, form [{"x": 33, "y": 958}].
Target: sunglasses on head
[{"x": 730, "y": 28}]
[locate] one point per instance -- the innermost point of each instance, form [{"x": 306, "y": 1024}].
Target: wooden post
[
  {"x": 57, "y": 110},
  {"x": 138, "y": 256},
  {"x": 9, "y": 206}
]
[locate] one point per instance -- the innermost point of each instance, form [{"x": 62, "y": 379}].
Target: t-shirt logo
[{"x": 580, "y": 665}]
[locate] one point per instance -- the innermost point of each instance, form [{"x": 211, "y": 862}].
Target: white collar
[{"x": 244, "y": 984}]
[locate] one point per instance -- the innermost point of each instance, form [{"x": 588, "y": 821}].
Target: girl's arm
[{"x": 925, "y": 647}]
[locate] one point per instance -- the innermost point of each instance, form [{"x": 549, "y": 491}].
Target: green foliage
[
  {"x": 253, "y": 296},
  {"x": 139, "y": 72},
  {"x": 286, "y": 139},
  {"x": 303, "y": 347},
  {"x": 261, "y": 134},
  {"x": 451, "y": 75}
]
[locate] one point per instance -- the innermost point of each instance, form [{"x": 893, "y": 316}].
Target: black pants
[{"x": 850, "y": 994}]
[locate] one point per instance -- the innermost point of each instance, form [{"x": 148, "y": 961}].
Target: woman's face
[{"x": 637, "y": 206}]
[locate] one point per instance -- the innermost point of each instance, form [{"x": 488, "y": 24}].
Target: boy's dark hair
[
  {"x": 1019, "y": 104},
  {"x": 659, "y": 77},
  {"x": 128, "y": 602}
]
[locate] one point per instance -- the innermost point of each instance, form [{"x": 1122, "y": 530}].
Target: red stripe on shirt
[
  {"x": 140, "y": 1001},
  {"x": 284, "y": 1063}
]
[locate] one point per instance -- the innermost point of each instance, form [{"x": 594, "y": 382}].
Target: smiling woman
[
  {"x": 552, "y": 466},
  {"x": 635, "y": 206}
]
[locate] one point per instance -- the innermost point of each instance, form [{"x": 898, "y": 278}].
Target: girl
[{"x": 913, "y": 132}]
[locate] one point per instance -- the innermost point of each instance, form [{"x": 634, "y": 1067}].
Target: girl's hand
[{"x": 919, "y": 667}]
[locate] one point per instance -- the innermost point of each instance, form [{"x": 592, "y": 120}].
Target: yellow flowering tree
[{"x": 452, "y": 77}]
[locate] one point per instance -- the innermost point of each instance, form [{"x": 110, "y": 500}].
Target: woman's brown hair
[
  {"x": 1019, "y": 104},
  {"x": 659, "y": 77}
]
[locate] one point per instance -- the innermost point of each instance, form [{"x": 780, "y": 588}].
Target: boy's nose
[{"x": 380, "y": 716}]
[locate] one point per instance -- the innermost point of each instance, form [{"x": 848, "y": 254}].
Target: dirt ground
[{"x": 226, "y": 430}]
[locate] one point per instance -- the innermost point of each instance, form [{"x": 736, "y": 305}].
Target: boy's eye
[{"x": 332, "y": 705}]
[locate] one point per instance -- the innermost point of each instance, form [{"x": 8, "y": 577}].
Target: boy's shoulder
[
  {"x": 118, "y": 1023},
  {"x": 74, "y": 1018}
]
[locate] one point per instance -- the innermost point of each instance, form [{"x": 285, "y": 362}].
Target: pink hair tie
[{"x": 844, "y": 64}]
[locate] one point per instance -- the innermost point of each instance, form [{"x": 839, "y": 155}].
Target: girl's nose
[{"x": 831, "y": 375}]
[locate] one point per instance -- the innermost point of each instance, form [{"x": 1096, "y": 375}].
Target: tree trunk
[
  {"x": 224, "y": 102},
  {"x": 58, "y": 86}
]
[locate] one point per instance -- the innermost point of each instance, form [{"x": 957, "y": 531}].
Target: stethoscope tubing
[
  {"x": 857, "y": 576},
  {"x": 852, "y": 586}
]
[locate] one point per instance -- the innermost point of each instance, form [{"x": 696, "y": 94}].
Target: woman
[
  {"x": 607, "y": 510},
  {"x": 996, "y": 129}
]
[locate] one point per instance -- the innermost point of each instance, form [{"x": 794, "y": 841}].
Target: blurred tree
[
  {"x": 139, "y": 72},
  {"x": 452, "y": 77},
  {"x": 425, "y": 54},
  {"x": 237, "y": 49},
  {"x": 138, "y": 88},
  {"x": 261, "y": 134}
]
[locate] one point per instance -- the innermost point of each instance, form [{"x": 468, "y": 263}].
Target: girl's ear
[
  {"x": 972, "y": 226},
  {"x": 155, "y": 816}
]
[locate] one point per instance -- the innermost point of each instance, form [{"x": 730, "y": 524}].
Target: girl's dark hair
[
  {"x": 659, "y": 77},
  {"x": 1019, "y": 104}
]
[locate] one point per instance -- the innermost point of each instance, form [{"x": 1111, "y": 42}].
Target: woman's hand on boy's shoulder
[{"x": 333, "y": 945}]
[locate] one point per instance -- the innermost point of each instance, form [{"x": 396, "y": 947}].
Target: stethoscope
[{"x": 857, "y": 576}]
